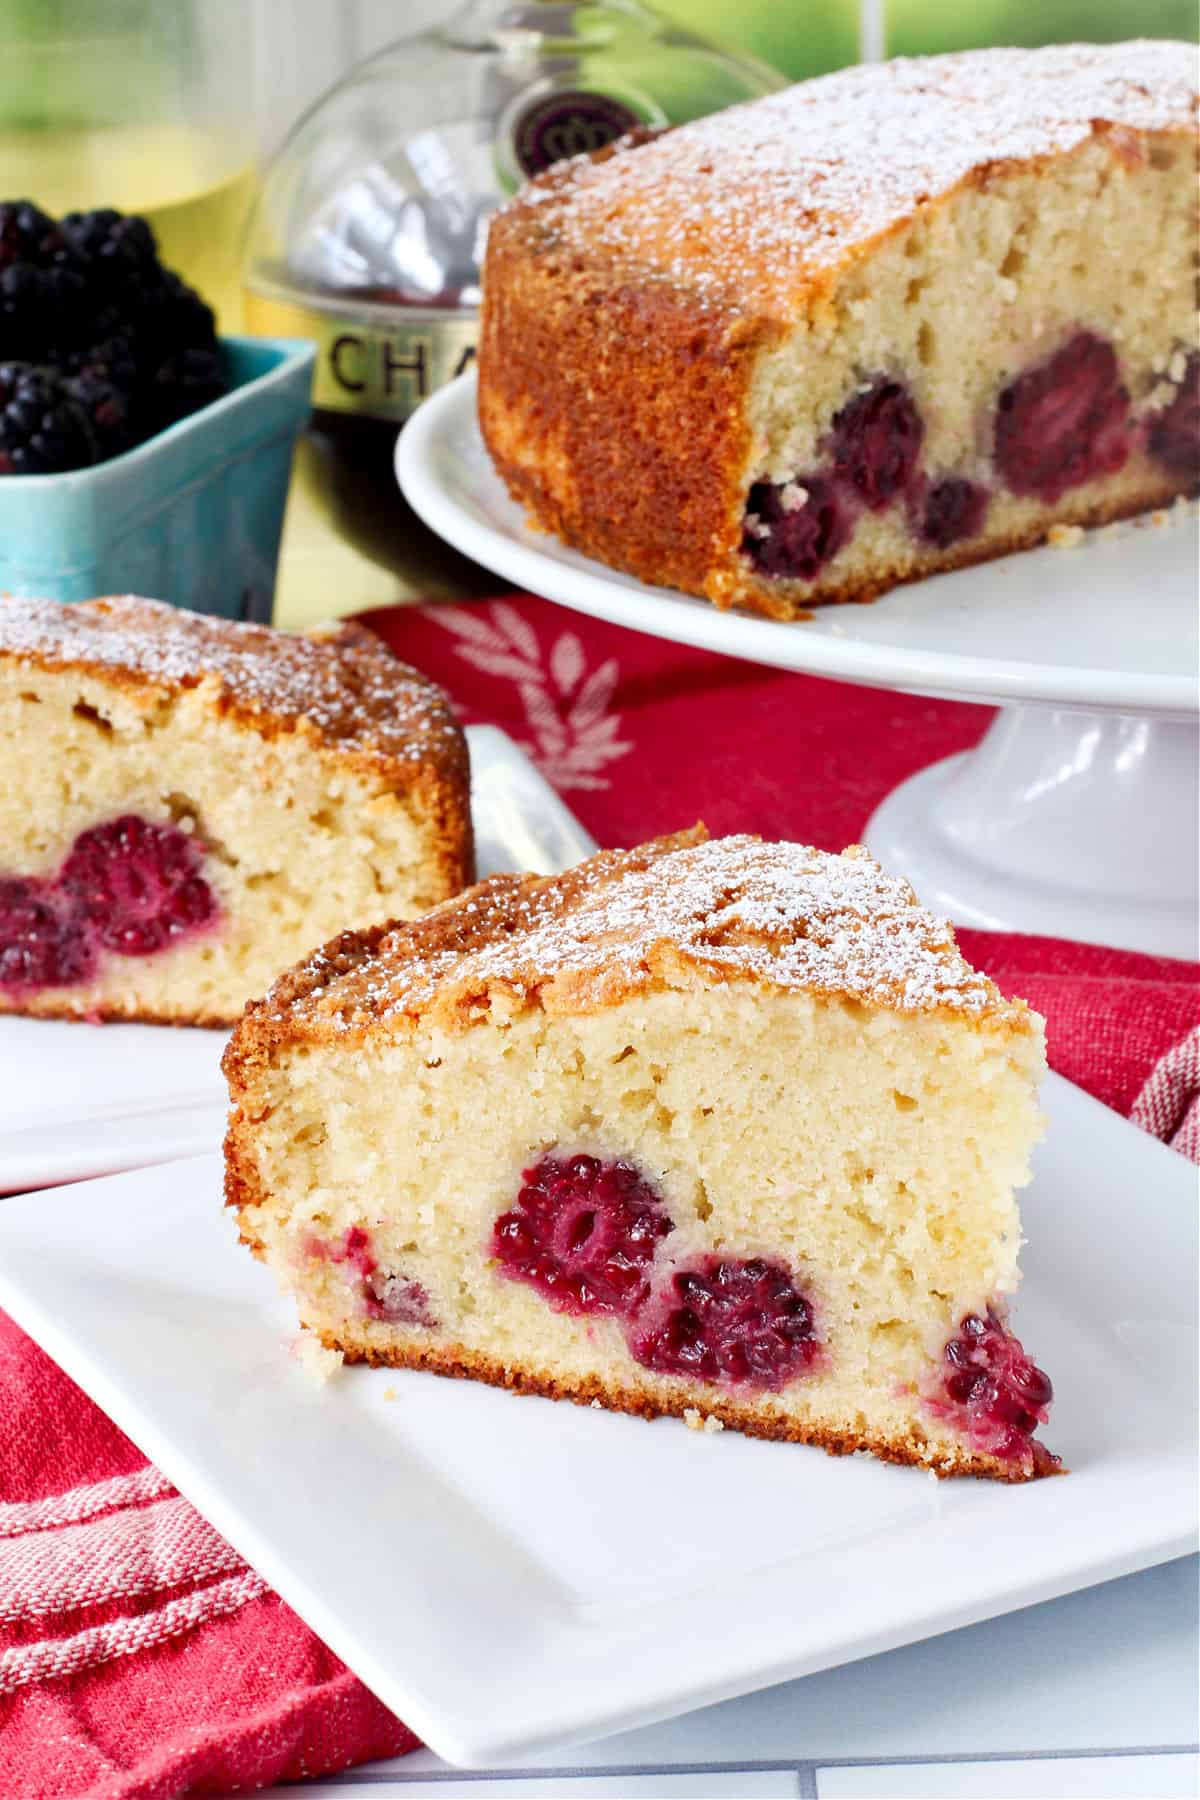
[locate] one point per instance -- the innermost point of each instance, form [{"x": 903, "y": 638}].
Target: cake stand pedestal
[
  {"x": 1061, "y": 822},
  {"x": 1076, "y": 816}
]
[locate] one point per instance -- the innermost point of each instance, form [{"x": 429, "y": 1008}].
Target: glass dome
[{"x": 371, "y": 222}]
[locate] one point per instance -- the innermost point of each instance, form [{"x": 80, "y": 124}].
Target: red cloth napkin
[{"x": 139, "y": 1657}]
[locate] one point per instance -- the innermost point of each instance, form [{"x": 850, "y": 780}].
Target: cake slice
[
  {"x": 716, "y": 1128},
  {"x": 907, "y": 316},
  {"x": 189, "y": 805}
]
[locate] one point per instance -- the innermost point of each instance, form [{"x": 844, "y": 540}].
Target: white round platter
[
  {"x": 1077, "y": 814},
  {"x": 1110, "y": 622}
]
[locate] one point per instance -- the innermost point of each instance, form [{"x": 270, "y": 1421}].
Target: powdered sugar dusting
[
  {"x": 750, "y": 205},
  {"x": 784, "y": 915},
  {"x": 343, "y": 684}
]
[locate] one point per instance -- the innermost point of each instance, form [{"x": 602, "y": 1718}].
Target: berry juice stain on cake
[
  {"x": 383, "y": 1293},
  {"x": 583, "y": 1233},
  {"x": 127, "y": 888},
  {"x": 742, "y": 1324},
  {"x": 992, "y": 1392}
]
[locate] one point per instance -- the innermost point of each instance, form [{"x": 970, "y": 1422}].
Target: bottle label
[
  {"x": 375, "y": 359},
  {"x": 568, "y": 123}
]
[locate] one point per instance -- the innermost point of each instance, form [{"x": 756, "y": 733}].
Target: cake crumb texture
[{"x": 320, "y": 1362}]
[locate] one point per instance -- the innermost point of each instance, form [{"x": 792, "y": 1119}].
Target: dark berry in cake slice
[
  {"x": 952, "y": 509},
  {"x": 1064, "y": 422},
  {"x": 138, "y": 885},
  {"x": 583, "y": 1233},
  {"x": 398, "y": 1299},
  {"x": 385, "y": 1294},
  {"x": 1174, "y": 436},
  {"x": 42, "y": 943},
  {"x": 744, "y": 1324},
  {"x": 876, "y": 442},
  {"x": 794, "y": 528},
  {"x": 992, "y": 1392}
]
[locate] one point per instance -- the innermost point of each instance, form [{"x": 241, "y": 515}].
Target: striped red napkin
[{"x": 139, "y": 1657}]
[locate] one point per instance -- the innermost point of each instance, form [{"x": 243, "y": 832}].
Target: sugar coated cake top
[
  {"x": 339, "y": 684},
  {"x": 686, "y": 911},
  {"x": 757, "y": 205}
]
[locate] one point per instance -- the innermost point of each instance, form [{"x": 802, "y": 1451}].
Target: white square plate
[
  {"x": 79, "y": 1099},
  {"x": 510, "y": 1574}
]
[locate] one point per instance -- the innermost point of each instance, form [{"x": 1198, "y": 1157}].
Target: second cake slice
[{"x": 189, "y": 805}]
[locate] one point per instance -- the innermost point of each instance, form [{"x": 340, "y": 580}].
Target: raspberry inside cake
[
  {"x": 190, "y": 804},
  {"x": 722, "y": 1125},
  {"x": 904, "y": 317}
]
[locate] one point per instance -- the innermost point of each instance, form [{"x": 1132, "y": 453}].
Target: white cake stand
[{"x": 1076, "y": 815}]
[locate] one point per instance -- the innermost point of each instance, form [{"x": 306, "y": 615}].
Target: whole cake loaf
[
  {"x": 190, "y": 804},
  {"x": 904, "y": 317},
  {"x": 726, "y": 1129}
]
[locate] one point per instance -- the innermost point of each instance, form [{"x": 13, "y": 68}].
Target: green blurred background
[{"x": 808, "y": 38}]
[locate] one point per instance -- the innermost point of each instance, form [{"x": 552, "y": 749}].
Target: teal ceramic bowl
[{"x": 193, "y": 516}]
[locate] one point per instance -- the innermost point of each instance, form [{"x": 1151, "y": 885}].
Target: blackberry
[
  {"x": 110, "y": 409},
  {"x": 1065, "y": 421},
  {"x": 42, "y": 287},
  {"x": 118, "y": 249},
  {"x": 877, "y": 441},
  {"x": 795, "y": 536},
  {"x": 27, "y": 234},
  {"x": 112, "y": 347},
  {"x": 182, "y": 385},
  {"x": 172, "y": 317},
  {"x": 43, "y": 429},
  {"x": 112, "y": 353}
]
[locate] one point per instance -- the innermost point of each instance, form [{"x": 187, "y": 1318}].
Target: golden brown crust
[
  {"x": 47, "y": 1005},
  {"x": 458, "y": 1362},
  {"x": 760, "y": 208},
  {"x": 629, "y": 298},
  {"x": 615, "y": 414},
  {"x": 677, "y": 912}
]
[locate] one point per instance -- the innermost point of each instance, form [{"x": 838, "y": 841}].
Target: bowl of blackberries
[{"x": 139, "y": 450}]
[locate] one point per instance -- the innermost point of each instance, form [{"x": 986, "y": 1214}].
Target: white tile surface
[
  {"x": 1067, "y": 1778},
  {"x": 1107, "y": 1669},
  {"x": 724, "y": 1784}
]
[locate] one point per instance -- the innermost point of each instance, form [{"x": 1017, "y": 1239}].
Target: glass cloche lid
[{"x": 370, "y": 227}]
